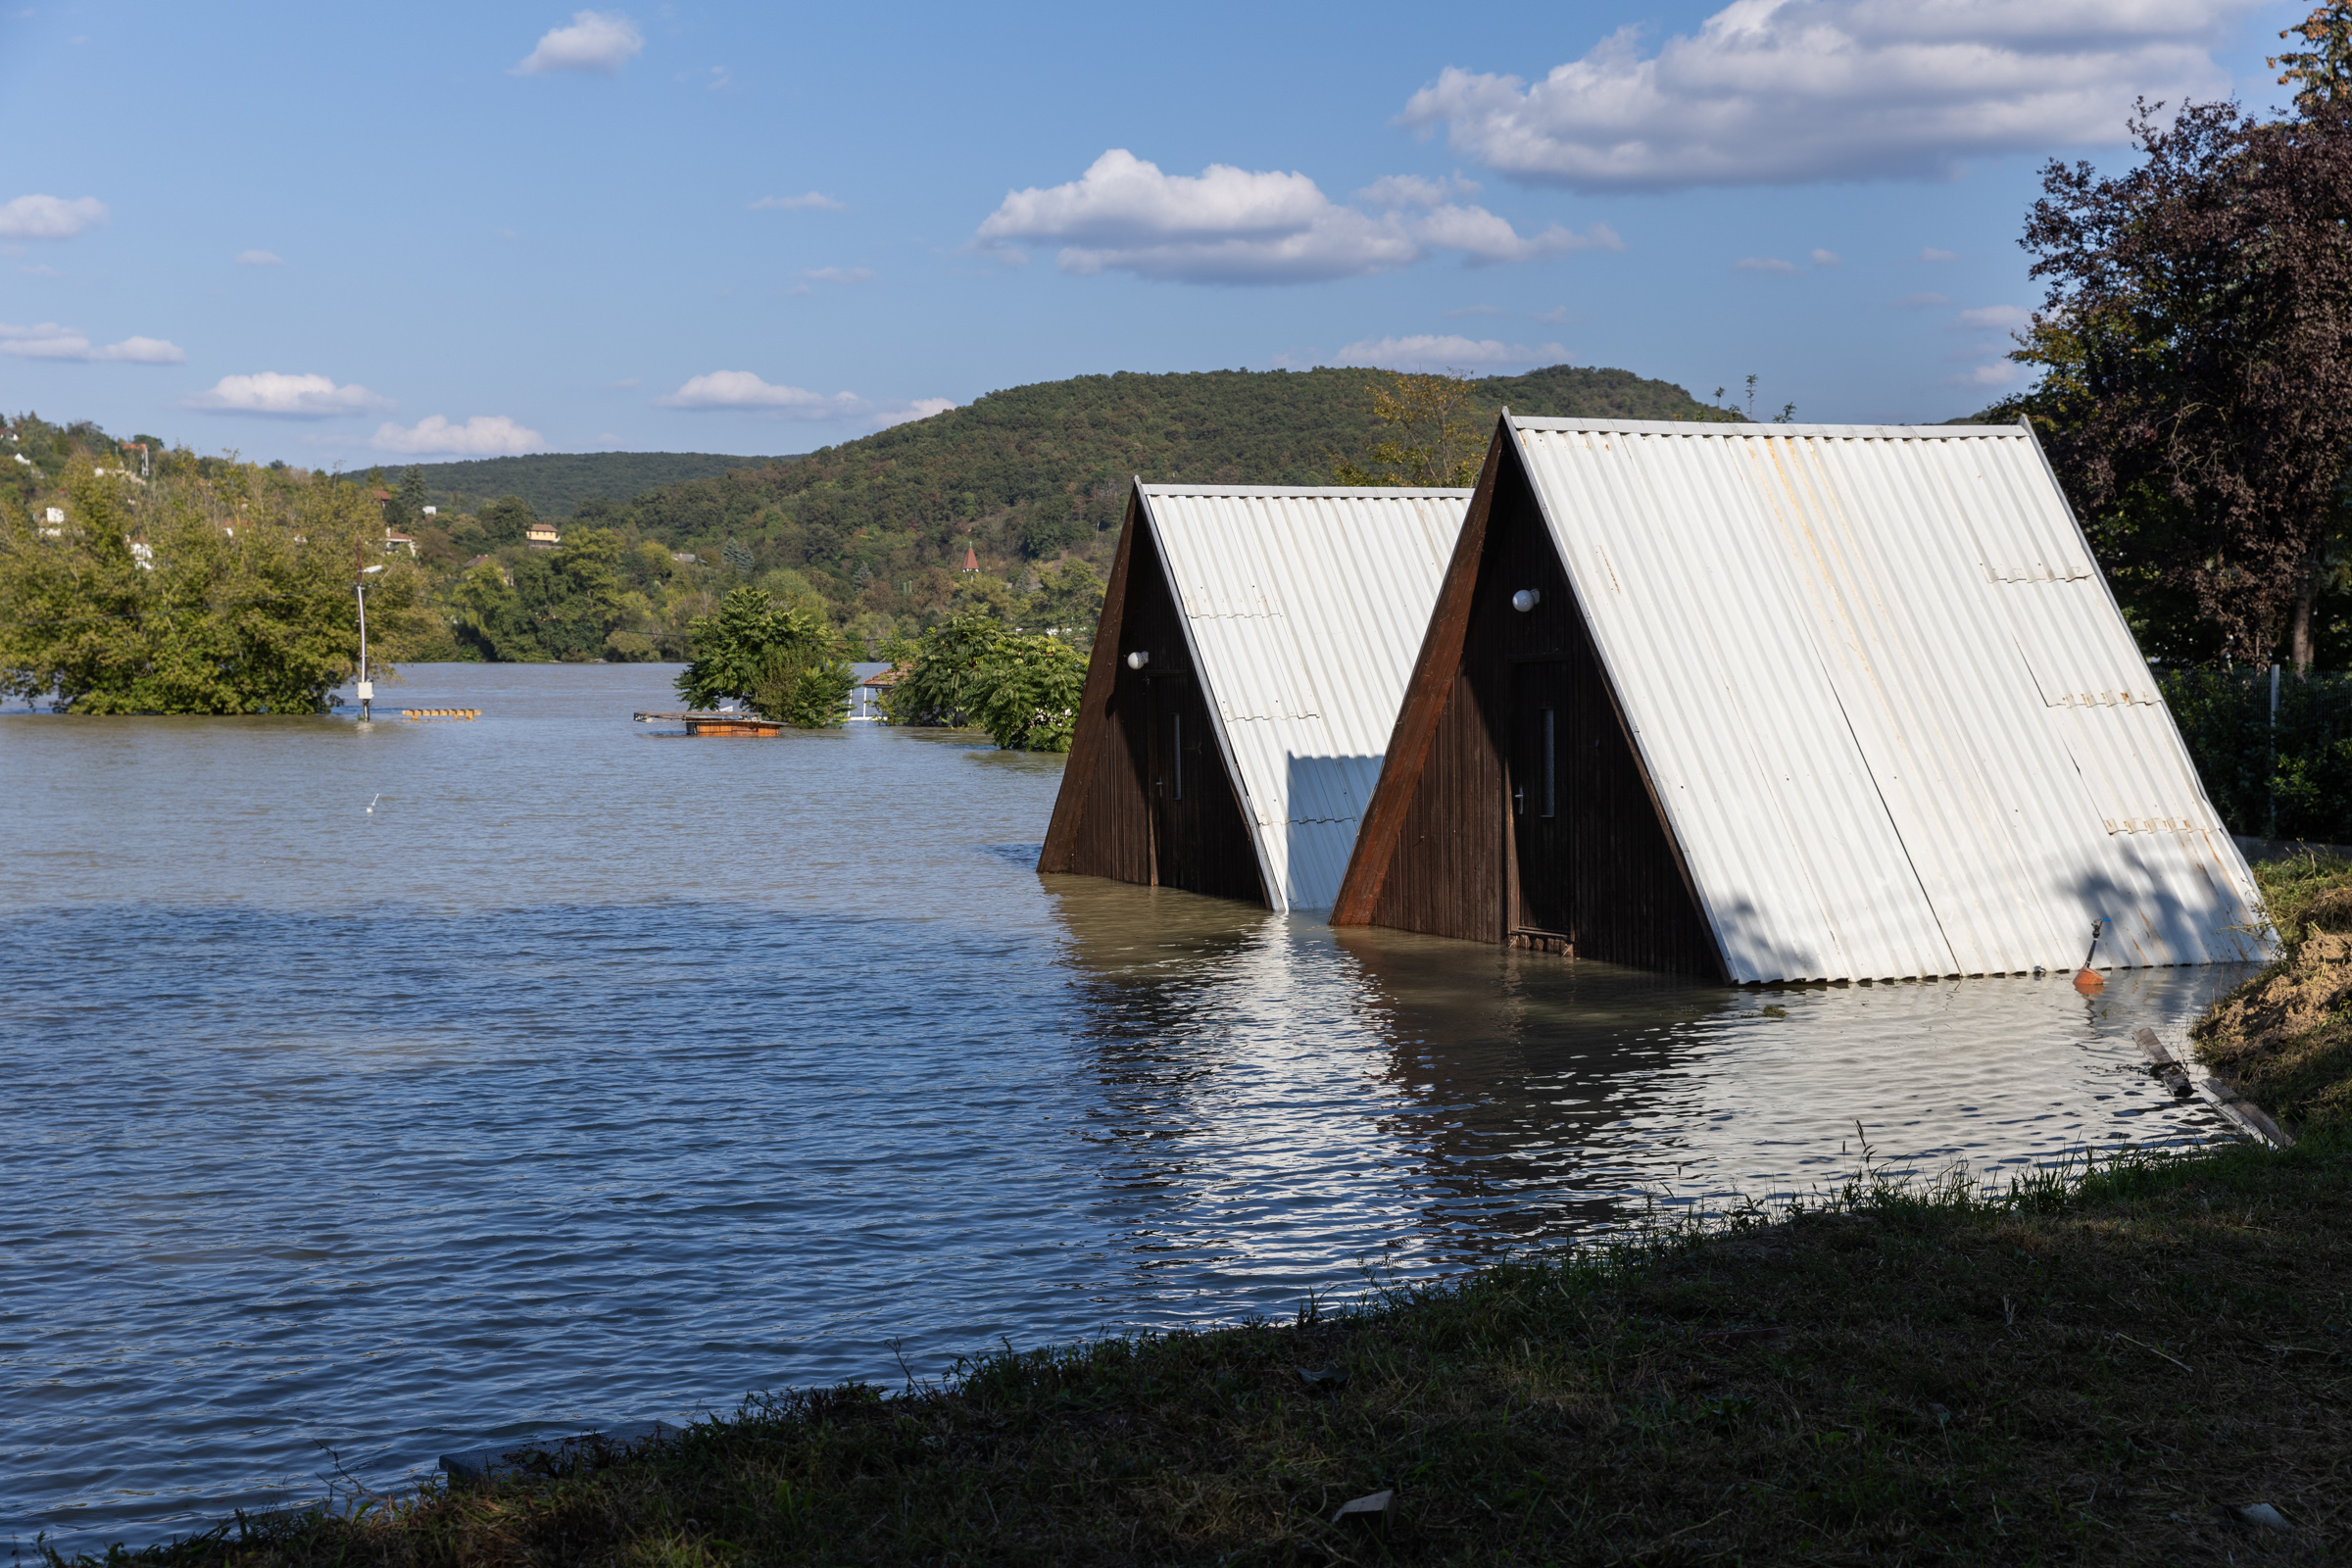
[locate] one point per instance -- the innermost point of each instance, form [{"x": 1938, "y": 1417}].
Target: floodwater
[{"x": 375, "y": 1093}]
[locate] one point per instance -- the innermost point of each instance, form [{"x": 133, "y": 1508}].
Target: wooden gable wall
[
  {"x": 1455, "y": 842},
  {"x": 1147, "y": 796}
]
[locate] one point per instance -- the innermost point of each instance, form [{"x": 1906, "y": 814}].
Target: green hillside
[
  {"x": 1035, "y": 471},
  {"x": 556, "y": 483}
]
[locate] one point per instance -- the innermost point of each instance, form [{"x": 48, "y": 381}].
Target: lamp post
[{"x": 367, "y": 687}]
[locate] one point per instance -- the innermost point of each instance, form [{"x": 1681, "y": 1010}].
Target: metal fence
[{"x": 2274, "y": 747}]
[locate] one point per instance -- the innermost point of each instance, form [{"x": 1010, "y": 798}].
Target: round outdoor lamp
[
  {"x": 1525, "y": 600},
  {"x": 1138, "y": 659}
]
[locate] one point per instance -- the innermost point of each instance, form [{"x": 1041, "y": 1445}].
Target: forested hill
[
  {"x": 1036, "y": 471},
  {"x": 554, "y": 483}
]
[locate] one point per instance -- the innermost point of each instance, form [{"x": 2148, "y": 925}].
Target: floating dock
[
  {"x": 440, "y": 712},
  {"x": 722, "y": 722}
]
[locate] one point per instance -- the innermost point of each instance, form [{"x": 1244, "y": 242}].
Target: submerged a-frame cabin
[
  {"x": 1768, "y": 703},
  {"x": 1253, "y": 649}
]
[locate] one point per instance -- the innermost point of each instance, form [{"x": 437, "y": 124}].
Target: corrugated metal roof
[
  {"x": 1305, "y": 610},
  {"x": 1896, "y": 721}
]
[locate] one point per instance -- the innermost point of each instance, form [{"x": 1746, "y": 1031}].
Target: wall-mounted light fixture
[
  {"x": 1526, "y": 599},
  {"x": 1138, "y": 659}
]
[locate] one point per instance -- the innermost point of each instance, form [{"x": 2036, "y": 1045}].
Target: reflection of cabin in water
[
  {"x": 1786, "y": 703},
  {"x": 1254, "y": 647}
]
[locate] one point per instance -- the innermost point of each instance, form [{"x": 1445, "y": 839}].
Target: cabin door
[
  {"x": 1173, "y": 775},
  {"x": 1544, "y": 740}
]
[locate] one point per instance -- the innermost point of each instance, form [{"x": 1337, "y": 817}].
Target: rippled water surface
[{"x": 595, "y": 1075}]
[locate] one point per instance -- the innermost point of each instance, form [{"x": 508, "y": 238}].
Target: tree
[
  {"x": 1028, "y": 691},
  {"x": 782, "y": 664},
  {"x": 2197, "y": 348},
  {"x": 1434, "y": 439},
  {"x": 488, "y": 616},
  {"x": 2321, "y": 73},
  {"x": 411, "y": 490},
  {"x": 942, "y": 682},
  {"x": 230, "y": 594},
  {"x": 1068, "y": 600},
  {"x": 506, "y": 520}
]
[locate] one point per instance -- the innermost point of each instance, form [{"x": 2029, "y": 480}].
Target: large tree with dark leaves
[{"x": 2197, "y": 345}]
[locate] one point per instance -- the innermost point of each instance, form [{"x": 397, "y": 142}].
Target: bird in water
[{"x": 372, "y": 805}]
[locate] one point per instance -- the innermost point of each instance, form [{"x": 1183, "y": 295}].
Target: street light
[{"x": 367, "y": 687}]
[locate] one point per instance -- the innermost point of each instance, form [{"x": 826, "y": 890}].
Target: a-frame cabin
[
  {"x": 1253, "y": 649},
  {"x": 1766, "y": 702}
]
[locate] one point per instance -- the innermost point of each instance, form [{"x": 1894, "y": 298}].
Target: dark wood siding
[
  {"x": 1600, "y": 879},
  {"x": 1147, "y": 797}
]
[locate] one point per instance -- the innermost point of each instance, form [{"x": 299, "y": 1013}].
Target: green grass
[
  {"x": 2077, "y": 1370},
  {"x": 2284, "y": 1039}
]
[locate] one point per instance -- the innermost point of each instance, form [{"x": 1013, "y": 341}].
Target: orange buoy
[{"x": 2088, "y": 979}]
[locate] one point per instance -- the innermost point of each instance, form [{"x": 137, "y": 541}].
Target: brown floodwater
[{"x": 379, "y": 1092}]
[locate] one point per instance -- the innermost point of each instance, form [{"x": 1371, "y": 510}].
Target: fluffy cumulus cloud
[
  {"x": 1788, "y": 92},
  {"x": 807, "y": 202},
  {"x": 599, "y": 42},
  {"x": 1237, "y": 225},
  {"x": 287, "y": 397},
  {"x": 1448, "y": 352},
  {"x": 745, "y": 392},
  {"x": 49, "y": 217},
  {"x": 485, "y": 435},
  {"x": 50, "y": 341}
]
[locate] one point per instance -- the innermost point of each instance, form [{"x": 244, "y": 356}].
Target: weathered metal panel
[
  {"x": 1892, "y": 715},
  {"x": 1304, "y": 610}
]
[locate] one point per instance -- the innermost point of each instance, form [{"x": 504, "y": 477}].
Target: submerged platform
[{"x": 724, "y": 721}]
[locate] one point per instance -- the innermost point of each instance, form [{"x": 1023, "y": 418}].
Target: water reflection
[{"x": 594, "y": 1078}]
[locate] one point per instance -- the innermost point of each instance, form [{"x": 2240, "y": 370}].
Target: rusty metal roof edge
[
  {"x": 1292, "y": 490},
  {"x": 1709, "y": 428}
]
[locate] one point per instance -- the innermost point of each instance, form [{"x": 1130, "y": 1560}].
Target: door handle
[{"x": 1519, "y": 796}]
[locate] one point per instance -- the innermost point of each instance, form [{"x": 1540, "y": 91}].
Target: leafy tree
[
  {"x": 1047, "y": 528},
  {"x": 944, "y": 682},
  {"x": 232, "y": 595},
  {"x": 2197, "y": 350},
  {"x": 1432, "y": 437},
  {"x": 2322, "y": 74},
  {"x": 783, "y": 664},
  {"x": 1068, "y": 599},
  {"x": 1029, "y": 688},
  {"x": 488, "y": 615},
  {"x": 411, "y": 490},
  {"x": 504, "y": 521}
]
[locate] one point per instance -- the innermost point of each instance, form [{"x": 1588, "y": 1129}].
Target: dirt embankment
[{"x": 2284, "y": 1039}]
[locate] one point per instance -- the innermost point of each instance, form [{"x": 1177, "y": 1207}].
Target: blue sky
[{"x": 379, "y": 234}]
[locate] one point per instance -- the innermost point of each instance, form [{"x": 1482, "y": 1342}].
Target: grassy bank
[
  {"x": 2087, "y": 1370},
  {"x": 2285, "y": 1039}
]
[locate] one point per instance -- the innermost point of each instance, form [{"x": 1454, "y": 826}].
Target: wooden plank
[{"x": 1091, "y": 733}]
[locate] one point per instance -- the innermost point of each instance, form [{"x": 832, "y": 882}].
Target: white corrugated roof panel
[
  {"x": 1305, "y": 611},
  {"x": 1896, "y": 722}
]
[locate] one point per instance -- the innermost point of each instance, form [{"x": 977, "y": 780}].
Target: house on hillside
[
  {"x": 1782, "y": 703},
  {"x": 541, "y": 535},
  {"x": 395, "y": 542},
  {"x": 1253, "y": 648}
]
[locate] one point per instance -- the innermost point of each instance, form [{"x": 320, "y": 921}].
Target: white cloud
[
  {"x": 1988, "y": 378},
  {"x": 1431, "y": 352},
  {"x": 291, "y": 397},
  {"x": 807, "y": 202},
  {"x": 919, "y": 409},
  {"x": 1236, "y": 226},
  {"x": 485, "y": 435},
  {"x": 1412, "y": 190},
  {"x": 1822, "y": 258},
  {"x": 1762, "y": 263},
  {"x": 741, "y": 389},
  {"x": 596, "y": 41},
  {"x": 1557, "y": 315},
  {"x": 49, "y": 217},
  {"x": 840, "y": 275},
  {"x": 1993, "y": 317},
  {"x": 1928, "y": 252},
  {"x": 1791, "y": 91},
  {"x": 1921, "y": 302},
  {"x": 259, "y": 259},
  {"x": 50, "y": 341}
]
